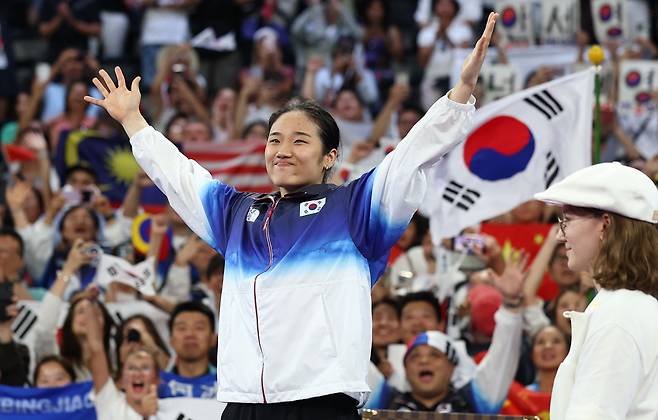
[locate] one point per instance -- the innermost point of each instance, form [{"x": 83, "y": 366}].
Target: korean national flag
[
  {"x": 518, "y": 146},
  {"x": 311, "y": 207}
]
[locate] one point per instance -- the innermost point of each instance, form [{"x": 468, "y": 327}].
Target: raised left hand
[{"x": 473, "y": 63}]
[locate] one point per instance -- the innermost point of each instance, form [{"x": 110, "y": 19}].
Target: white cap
[{"x": 607, "y": 186}]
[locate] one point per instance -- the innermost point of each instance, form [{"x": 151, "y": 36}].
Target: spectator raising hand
[{"x": 510, "y": 282}]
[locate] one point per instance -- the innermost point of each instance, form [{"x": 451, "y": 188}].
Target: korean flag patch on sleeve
[{"x": 311, "y": 207}]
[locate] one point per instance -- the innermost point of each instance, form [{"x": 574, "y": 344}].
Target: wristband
[
  {"x": 60, "y": 275},
  {"x": 513, "y": 302}
]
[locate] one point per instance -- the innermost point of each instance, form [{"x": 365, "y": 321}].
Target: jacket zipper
[{"x": 266, "y": 228}]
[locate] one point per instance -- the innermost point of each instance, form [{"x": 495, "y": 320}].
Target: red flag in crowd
[
  {"x": 522, "y": 401},
  {"x": 239, "y": 163},
  {"x": 529, "y": 237}
]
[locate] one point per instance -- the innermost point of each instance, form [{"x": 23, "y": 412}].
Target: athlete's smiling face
[{"x": 295, "y": 155}]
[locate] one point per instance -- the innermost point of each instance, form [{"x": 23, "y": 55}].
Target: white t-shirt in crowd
[
  {"x": 111, "y": 404},
  {"x": 162, "y": 26}
]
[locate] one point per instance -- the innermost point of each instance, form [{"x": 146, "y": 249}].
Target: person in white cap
[{"x": 610, "y": 228}]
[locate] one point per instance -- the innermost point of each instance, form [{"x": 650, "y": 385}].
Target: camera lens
[{"x": 133, "y": 336}]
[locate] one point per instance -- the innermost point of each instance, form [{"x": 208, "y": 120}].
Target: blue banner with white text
[{"x": 71, "y": 402}]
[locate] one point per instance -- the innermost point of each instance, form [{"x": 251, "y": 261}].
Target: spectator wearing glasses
[{"x": 609, "y": 229}]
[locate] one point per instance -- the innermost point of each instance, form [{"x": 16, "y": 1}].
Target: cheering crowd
[{"x": 467, "y": 326}]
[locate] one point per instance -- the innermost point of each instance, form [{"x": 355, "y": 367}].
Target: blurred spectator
[
  {"x": 567, "y": 300},
  {"x": 163, "y": 24},
  {"x": 74, "y": 344},
  {"x": 344, "y": 72},
  {"x": 415, "y": 269},
  {"x": 255, "y": 131},
  {"x": 209, "y": 290},
  {"x": 72, "y": 65},
  {"x": 197, "y": 131},
  {"x": 52, "y": 372},
  {"x": 385, "y": 331},
  {"x": 267, "y": 61},
  {"x": 69, "y": 24},
  {"x": 192, "y": 330},
  {"x": 316, "y": 30},
  {"x": 138, "y": 332},
  {"x": 258, "y": 99},
  {"x": 352, "y": 117},
  {"x": 222, "y": 115},
  {"x": 549, "y": 348},
  {"x": 215, "y": 25},
  {"x": 382, "y": 42},
  {"x": 138, "y": 377},
  {"x": 435, "y": 44},
  {"x": 14, "y": 357},
  {"x": 178, "y": 87},
  {"x": 12, "y": 263},
  {"x": 74, "y": 116}
]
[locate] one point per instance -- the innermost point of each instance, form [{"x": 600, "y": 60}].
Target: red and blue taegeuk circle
[
  {"x": 614, "y": 31},
  {"x": 312, "y": 206},
  {"x": 509, "y": 16},
  {"x": 605, "y": 12},
  {"x": 643, "y": 97},
  {"x": 633, "y": 78},
  {"x": 499, "y": 149}
]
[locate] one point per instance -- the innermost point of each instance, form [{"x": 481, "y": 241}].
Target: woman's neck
[{"x": 545, "y": 379}]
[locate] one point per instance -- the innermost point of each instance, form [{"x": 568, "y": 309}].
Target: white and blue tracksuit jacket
[{"x": 295, "y": 319}]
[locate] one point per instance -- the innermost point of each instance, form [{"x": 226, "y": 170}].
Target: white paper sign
[
  {"x": 114, "y": 269},
  {"x": 637, "y": 79},
  {"x": 189, "y": 409},
  {"x": 559, "y": 21},
  {"x": 515, "y": 21},
  {"x": 499, "y": 80},
  {"x": 608, "y": 17}
]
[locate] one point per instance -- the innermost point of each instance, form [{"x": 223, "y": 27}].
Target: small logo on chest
[
  {"x": 252, "y": 215},
  {"x": 311, "y": 207}
]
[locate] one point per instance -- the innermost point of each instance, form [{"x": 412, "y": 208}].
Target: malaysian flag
[{"x": 239, "y": 163}]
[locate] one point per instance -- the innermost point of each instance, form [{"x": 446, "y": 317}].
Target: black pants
[{"x": 328, "y": 407}]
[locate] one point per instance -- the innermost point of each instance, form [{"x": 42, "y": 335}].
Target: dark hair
[
  {"x": 80, "y": 168},
  {"x": 92, "y": 213},
  {"x": 387, "y": 301},
  {"x": 215, "y": 265},
  {"x": 423, "y": 296},
  {"x": 173, "y": 119},
  {"x": 13, "y": 234},
  {"x": 192, "y": 306},
  {"x": 567, "y": 338},
  {"x": 410, "y": 106},
  {"x": 455, "y": 4},
  {"x": 325, "y": 123},
  {"x": 251, "y": 125},
  {"x": 551, "y": 307},
  {"x": 70, "y": 348},
  {"x": 65, "y": 364},
  {"x": 69, "y": 87},
  {"x": 347, "y": 87},
  {"x": 150, "y": 328},
  {"x": 362, "y": 11}
]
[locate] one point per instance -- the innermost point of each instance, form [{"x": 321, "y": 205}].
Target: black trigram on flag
[
  {"x": 23, "y": 323},
  {"x": 182, "y": 416},
  {"x": 552, "y": 169},
  {"x": 545, "y": 103},
  {"x": 460, "y": 196}
]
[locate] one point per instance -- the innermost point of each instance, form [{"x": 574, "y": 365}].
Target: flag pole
[{"x": 596, "y": 57}]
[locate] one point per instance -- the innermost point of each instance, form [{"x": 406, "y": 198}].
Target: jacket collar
[{"x": 308, "y": 192}]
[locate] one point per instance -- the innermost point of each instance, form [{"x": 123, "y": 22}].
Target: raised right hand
[{"x": 119, "y": 101}]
